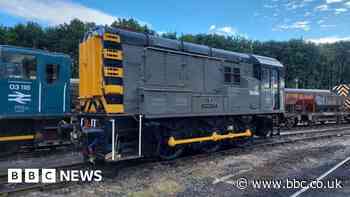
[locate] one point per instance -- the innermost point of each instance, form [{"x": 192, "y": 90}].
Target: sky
[{"x": 319, "y": 21}]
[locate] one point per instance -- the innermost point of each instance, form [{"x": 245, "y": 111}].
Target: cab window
[
  {"x": 275, "y": 88},
  {"x": 52, "y": 73},
  {"x": 232, "y": 75},
  {"x": 18, "y": 66},
  {"x": 266, "y": 78}
]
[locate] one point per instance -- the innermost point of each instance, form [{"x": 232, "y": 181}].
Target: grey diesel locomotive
[{"x": 142, "y": 95}]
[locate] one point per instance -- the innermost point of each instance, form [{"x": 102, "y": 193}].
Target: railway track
[
  {"x": 29, "y": 151},
  {"x": 42, "y": 153},
  {"x": 301, "y": 127},
  {"x": 306, "y": 136},
  {"x": 285, "y": 137}
]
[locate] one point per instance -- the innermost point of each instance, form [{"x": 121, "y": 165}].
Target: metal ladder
[{"x": 118, "y": 146}]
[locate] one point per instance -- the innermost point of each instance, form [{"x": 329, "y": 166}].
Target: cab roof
[
  {"x": 32, "y": 51},
  {"x": 267, "y": 60}
]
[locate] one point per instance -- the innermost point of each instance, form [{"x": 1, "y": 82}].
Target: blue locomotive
[{"x": 35, "y": 96}]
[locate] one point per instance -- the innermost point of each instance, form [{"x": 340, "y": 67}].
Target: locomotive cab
[
  {"x": 31, "y": 79},
  {"x": 35, "y": 93}
]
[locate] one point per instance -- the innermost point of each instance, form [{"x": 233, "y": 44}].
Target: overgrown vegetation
[{"x": 307, "y": 65}]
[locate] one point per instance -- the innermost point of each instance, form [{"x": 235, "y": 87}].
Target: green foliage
[
  {"x": 307, "y": 65},
  {"x": 132, "y": 25},
  {"x": 3, "y": 32},
  {"x": 65, "y": 38},
  {"x": 170, "y": 35},
  {"x": 313, "y": 66}
]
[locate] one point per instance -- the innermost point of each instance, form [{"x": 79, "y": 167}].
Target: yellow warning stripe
[
  {"x": 17, "y": 138},
  {"x": 111, "y": 37},
  {"x": 112, "y": 108},
  {"x": 113, "y": 72},
  {"x": 112, "y": 54},
  {"x": 114, "y": 89},
  {"x": 115, "y": 108}
]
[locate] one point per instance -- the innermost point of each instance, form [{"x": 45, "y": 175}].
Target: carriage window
[
  {"x": 18, "y": 66},
  {"x": 52, "y": 73},
  {"x": 232, "y": 75}
]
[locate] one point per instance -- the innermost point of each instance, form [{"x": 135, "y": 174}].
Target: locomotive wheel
[
  {"x": 263, "y": 127},
  {"x": 290, "y": 123},
  {"x": 242, "y": 142},
  {"x": 240, "y": 125},
  {"x": 165, "y": 151},
  {"x": 210, "y": 147},
  {"x": 217, "y": 126}
]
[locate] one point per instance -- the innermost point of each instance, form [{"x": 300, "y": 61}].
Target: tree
[
  {"x": 3, "y": 32},
  {"x": 170, "y": 35},
  {"x": 27, "y": 35},
  {"x": 66, "y": 38},
  {"x": 315, "y": 66},
  {"x": 132, "y": 25}
]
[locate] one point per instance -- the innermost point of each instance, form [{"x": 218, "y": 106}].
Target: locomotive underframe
[
  {"x": 37, "y": 131},
  {"x": 122, "y": 137}
]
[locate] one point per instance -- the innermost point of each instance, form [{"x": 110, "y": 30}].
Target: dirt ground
[{"x": 218, "y": 174}]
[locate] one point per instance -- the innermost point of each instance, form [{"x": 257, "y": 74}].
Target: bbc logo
[
  {"x": 31, "y": 176},
  {"x": 51, "y": 175}
]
